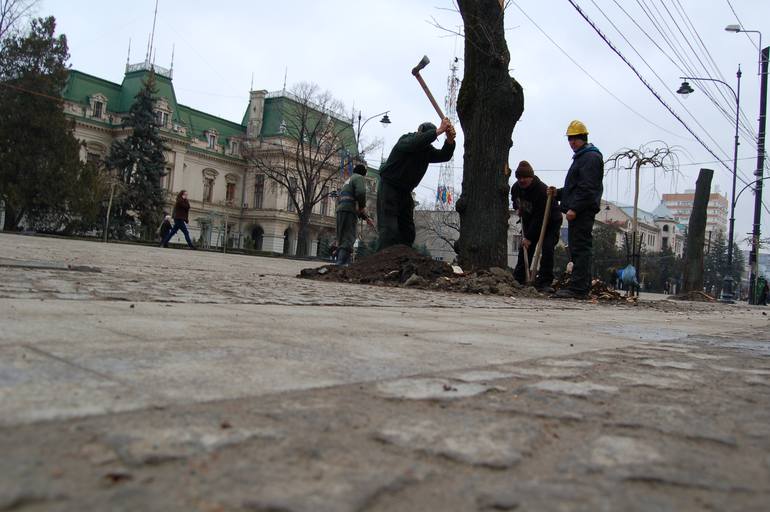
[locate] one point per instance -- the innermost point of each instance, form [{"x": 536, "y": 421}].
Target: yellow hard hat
[{"x": 576, "y": 128}]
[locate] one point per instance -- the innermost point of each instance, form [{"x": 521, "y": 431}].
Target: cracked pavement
[{"x": 136, "y": 378}]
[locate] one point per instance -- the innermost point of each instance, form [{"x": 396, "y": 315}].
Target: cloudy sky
[{"x": 363, "y": 50}]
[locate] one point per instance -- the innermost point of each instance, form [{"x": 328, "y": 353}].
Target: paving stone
[
  {"x": 657, "y": 363},
  {"x": 430, "y": 389},
  {"x": 324, "y": 486},
  {"x": 653, "y": 381},
  {"x": 156, "y": 445},
  {"x": 747, "y": 371},
  {"x": 680, "y": 420},
  {"x": 481, "y": 376},
  {"x": 584, "y": 388},
  {"x": 546, "y": 372},
  {"x": 477, "y": 440},
  {"x": 568, "y": 363},
  {"x": 531, "y": 402},
  {"x": 610, "y": 451}
]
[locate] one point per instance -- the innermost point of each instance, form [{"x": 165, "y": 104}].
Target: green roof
[{"x": 80, "y": 86}]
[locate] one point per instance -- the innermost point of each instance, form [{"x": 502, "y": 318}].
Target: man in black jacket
[
  {"x": 399, "y": 176},
  {"x": 580, "y": 198},
  {"x": 529, "y": 196}
]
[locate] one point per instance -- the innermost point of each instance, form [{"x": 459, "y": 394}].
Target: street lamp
[
  {"x": 763, "y": 61},
  {"x": 385, "y": 121},
  {"x": 685, "y": 89}
]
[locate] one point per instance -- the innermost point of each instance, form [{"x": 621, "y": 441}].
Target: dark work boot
[{"x": 343, "y": 257}]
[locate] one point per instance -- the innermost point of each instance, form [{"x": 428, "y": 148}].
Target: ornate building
[{"x": 230, "y": 201}]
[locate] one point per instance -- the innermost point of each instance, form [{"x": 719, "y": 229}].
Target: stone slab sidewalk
[{"x": 181, "y": 380}]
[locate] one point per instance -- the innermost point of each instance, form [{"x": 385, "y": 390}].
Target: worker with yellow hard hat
[{"x": 580, "y": 198}]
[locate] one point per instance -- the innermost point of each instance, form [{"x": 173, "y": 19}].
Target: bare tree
[
  {"x": 13, "y": 13},
  {"x": 656, "y": 154},
  {"x": 306, "y": 157},
  {"x": 489, "y": 105},
  {"x": 440, "y": 227}
]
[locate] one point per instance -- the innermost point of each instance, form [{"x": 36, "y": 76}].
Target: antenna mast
[{"x": 445, "y": 191}]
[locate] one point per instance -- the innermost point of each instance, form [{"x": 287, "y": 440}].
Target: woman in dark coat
[{"x": 181, "y": 212}]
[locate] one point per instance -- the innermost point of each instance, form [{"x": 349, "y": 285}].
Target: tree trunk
[
  {"x": 303, "y": 244},
  {"x": 696, "y": 233},
  {"x": 489, "y": 104}
]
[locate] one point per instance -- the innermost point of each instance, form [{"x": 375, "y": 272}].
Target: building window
[
  {"x": 212, "y": 140},
  {"x": 93, "y": 158},
  {"x": 234, "y": 147},
  {"x": 208, "y": 189},
  {"x": 230, "y": 192},
  {"x": 292, "y": 193},
  {"x": 161, "y": 118},
  {"x": 325, "y": 201},
  {"x": 98, "y": 106},
  {"x": 664, "y": 242},
  {"x": 165, "y": 180},
  {"x": 259, "y": 190}
]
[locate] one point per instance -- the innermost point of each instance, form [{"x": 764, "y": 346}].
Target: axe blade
[{"x": 420, "y": 65}]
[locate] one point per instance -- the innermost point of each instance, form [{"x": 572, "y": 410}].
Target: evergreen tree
[
  {"x": 39, "y": 156},
  {"x": 139, "y": 164}
]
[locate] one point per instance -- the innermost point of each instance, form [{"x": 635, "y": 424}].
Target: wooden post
[
  {"x": 696, "y": 233},
  {"x": 109, "y": 207}
]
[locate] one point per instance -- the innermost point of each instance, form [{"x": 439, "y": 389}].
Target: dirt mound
[
  {"x": 402, "y": 266},
  {"x": 696, "y": 296},
  {"x": 600, "y": 291},
  {"x": 395, "y": 264}
]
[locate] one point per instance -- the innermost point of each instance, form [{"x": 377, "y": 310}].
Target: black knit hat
[
  {"x": 360, "y": 169},
  {"x": 424, "y": 127},
  {"x": 524, "y": 170}
]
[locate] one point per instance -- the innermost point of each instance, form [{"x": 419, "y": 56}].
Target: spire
[
  {"x": 150, "y": 50},
  {"x": 251, "y": 86},
  {"x": 128, "y": 57},
  {"x": 171, "y": 70},
  {"x": 285, "y": 74}
]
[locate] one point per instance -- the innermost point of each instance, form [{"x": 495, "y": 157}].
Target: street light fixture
[
  {"x": 755, "y": 235},
  {"x": 685, "y": 89},
  {"x": 385, "y": 121}
]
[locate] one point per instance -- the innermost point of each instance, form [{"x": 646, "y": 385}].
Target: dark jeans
[
  {"x": 545, "y": 274},
  {"x": 346, "y": 230},
  {"x": 395, "y": 216},
  {"x": 179, "y": 224},
  {"x": 580, "y": 240}
]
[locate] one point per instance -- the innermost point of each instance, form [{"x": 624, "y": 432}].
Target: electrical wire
[
  {"x": 648, "y": 86},
  {"x": 740, "y": 23},
  {"x": 605, "y": 89}
]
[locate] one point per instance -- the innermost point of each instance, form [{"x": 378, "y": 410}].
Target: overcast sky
[{"x": 363, "y": 50}]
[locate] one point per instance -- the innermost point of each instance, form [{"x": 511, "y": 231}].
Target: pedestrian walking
[
  {"x": 351, "y": 205},
  {"x": 580, "y": 198},
  {"x": 181, "y": 218},
  {"x": 399, "y": 176},
  {"x": 529, "y": 196}
]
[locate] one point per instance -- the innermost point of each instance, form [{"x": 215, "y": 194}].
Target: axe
[{"x": 416, "y": 72}]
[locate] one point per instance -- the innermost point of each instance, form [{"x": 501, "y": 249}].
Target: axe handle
[
  {"x": 527, "y": 275},
  {"x": 430, "y": 96}
]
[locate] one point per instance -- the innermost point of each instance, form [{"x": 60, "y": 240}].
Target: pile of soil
[
  {"x": 695, "y": 296},
  {"x": 402, "y": 266},
  {"x": 600, "y": 291}
]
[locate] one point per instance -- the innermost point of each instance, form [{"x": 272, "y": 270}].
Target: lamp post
[
  {"x": 685, "y": 89},
  {"x": 385, "y": 121},
  {"x": 755, "y": 235}
]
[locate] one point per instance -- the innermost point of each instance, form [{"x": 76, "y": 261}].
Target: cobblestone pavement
[{"x": 465, "y": 404}]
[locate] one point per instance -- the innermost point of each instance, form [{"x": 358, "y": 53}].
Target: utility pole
[{"x": 754, "y": 258}]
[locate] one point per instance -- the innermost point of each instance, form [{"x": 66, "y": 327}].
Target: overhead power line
[
  {"x": 605, "y": 89},
  {"x": 649, "y": 87}
]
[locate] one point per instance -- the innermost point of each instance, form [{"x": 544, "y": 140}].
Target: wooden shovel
[{"x": 539, "y": 247}]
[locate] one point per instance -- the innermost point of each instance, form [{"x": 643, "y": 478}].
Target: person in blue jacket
[{"x": 580, "y": 201}]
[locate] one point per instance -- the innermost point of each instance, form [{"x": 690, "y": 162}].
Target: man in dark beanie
[
  {"x": 351, "y": 205},
  {"x": 399, "y": 176},
  {"x": 529, "y": 196},
  {"x": 580, "y": 201}
]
